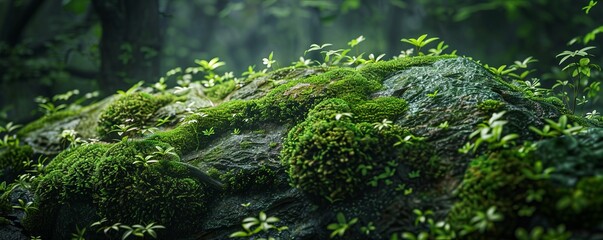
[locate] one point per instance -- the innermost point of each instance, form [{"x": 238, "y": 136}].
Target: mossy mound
[
  {"x": 130, "y": 110},
  {"x": 331, "y": 156},
  {"x": 556, "y": 182},
  {"x": 12, "y": 161},
  {"x": 106, "y": 178}
]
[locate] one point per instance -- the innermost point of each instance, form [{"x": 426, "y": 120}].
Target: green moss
[
  {"x": 380, "y": 70},
  {"x": 490, "y": 106},
  {"x": 245, "y": 144},
  {"x": 45, "y": 120},
  {"x": 497, "y": 180},
  {"x": 248, "y": 179},
  {"x": 381, "y": 108},
  {"x": 291, "y": 101},
  {"x": 553, "y": 101},
  {"x": 48, "y": 199},
  {"x": 326, "y": 158},
  {"x": 106, "y": 176},
  {"x": 325, "y": 155},
  {"x": 189, "y": 136},
  {"x": 135, "y": 109},
  {"x": 220, "y": 91},
  {"x": 12, "y": 158}
]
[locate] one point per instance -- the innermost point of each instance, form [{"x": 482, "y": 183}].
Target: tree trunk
[{"x": 130, "y": 43}]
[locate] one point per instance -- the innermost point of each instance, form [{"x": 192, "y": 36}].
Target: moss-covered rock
[{"x": 379, "y": 141}]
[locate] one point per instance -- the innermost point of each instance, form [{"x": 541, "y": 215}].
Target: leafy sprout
[
  {"x": 419, "y": 42},
  {"x": 253, "y": 226},
  {"x": 341, "y": 226}
]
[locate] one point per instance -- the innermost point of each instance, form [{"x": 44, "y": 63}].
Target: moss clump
[
  {"x": 491, "y": 106},
  {"x": 12, "y": 160},
  {"x": 43, "y": 121},
  {"x": 380, "y": 108},
  {"x": 326, "y": 159},
  {"x": 335, "y": 158},
  {"x": 229, "y": 115},
  {"x": 291, "y": 101},
  {"x": 105, "y": 176},
  {"x": 380, "y": 70},
  {"x": 220, "y": 91},
  {"x": 498, "y": 180},
  {"x": 249, "y": 179},
  {"x": 48, "y": 199},
  {"x": 163, "y": 192},
  {"x": 135, "y": 109}
]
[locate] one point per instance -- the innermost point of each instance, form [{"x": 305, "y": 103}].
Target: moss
[
  {"x": 249, "y": 179},
  {"x": 232, "y": 114},
  {"x": 45, "y": 120},
  {"x": 291, "y": 101},
  {"x": 381, "y": 108},
  {"x": 213, "y": 155},
  {"x": 380, "y": 70},
  {"x": 161, "y": 193},
  {"x": 106, "y": 176},
  {"x": 245, "y": 144},
  {"x": 48, "y": 199},
  {"x": 325, "y": 155},
  {"x": 497, "y": 180},
  {"x": 12, "y": 160},
  {"x": 135, "y": 109},
  {"x": 490, "y": 106},
  {"x": 220, "y": 91},
  {"x": 553, "y": 101}
]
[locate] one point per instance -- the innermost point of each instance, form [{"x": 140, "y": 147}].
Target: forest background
[{"x": 48, "y": 48}]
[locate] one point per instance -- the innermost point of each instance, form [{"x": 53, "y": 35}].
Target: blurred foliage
[{"x": 56, "y": 57}]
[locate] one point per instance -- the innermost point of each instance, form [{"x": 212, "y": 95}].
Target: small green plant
[
  {"x": 590, "y": 5},
  {"x": 80, "y": 234},
  {"x": 384, "y": 124},
  {"x": 141, "y": 231},
  {"x": 253, "y": 226},
  {"x": 434, "y": 94},
  {"x": 483, "y": 221},
  {"x": 539, "y": 233},
  {"x": 70, "y": 136},
  {"x": 414, "y": 174},
  {"x": 580, "y": 72},
  {"x": 444, "y": 125},
  {"x": 555, "y": 129},
  {"x": 341, "y": 226},
  {"x": 436, "y": 230},
  {"x": 490, "y": 132},
  {"x": 340, "y": 116},
  {"x": 269, "y": 61},
  {"x": 408, "y": 139},
  {"x": 25, "y": 206},
  {"x": 145, "y": 161},
  {"x": 165, "y": 151},
  {"x": 419, "y": 42},
  {"x": 592, "y": 115},
  {"x": 236, "y": 131},
  {"x": 209, "y": 132},
  {"x": 136, "y": 230},
  {"x": 368, "y": 228}
]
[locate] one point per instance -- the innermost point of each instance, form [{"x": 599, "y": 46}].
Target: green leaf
[{"x": 238, "y": 234}]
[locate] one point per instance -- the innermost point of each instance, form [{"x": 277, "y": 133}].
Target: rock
[{"x": 306, "y": 145}]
